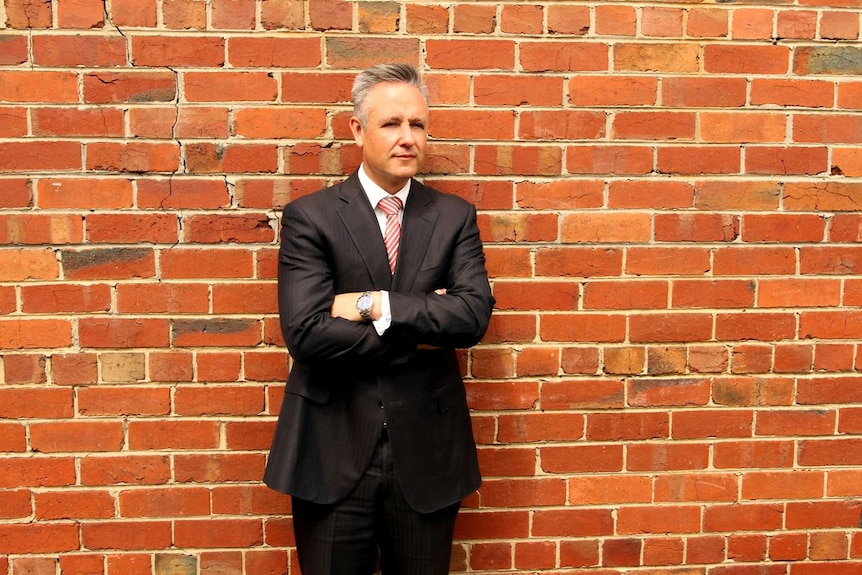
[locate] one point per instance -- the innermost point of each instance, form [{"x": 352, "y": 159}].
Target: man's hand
[{"x": 344, "y": 306}]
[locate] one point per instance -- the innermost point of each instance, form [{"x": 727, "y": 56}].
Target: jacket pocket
[
  {"x": 450, "y": 395},
  {"x": 301, "y": 381}
]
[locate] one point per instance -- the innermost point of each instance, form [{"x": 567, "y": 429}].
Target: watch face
[{"x": 364, "y": 302}]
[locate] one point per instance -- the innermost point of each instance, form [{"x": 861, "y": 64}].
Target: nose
[{"x": 407, "y": 138}]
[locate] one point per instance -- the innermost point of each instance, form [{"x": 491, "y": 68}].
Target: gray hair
[{"x": 370, "y": 77}]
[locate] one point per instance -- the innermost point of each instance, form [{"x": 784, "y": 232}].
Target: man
[{"x": 374, "y": 441}]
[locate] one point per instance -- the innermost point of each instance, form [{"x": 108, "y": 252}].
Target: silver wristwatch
[{"x": 364, "y": 304}]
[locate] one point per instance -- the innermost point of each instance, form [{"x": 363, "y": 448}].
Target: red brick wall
[{"x": 669, "y": 194}]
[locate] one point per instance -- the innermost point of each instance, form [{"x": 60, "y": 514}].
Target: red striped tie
[{"x": 391, "y": 205}]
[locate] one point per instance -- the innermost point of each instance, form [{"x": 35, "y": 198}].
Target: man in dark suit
[{"x": 374, "y": 441}]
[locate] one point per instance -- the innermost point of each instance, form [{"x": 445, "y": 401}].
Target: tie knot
[{"x": 390, "y": 205}]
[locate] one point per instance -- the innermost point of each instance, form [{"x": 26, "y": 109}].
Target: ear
[{"x": 356, "y": 128}]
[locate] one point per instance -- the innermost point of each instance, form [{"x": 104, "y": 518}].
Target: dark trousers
[{"x": 345, "y": 538}]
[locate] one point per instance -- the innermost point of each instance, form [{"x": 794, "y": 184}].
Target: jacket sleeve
[
  {"x": 460, "y": 317},
  {"x": 306, "y": 290}
]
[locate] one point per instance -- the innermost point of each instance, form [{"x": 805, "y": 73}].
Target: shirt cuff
[{"x": 382, "y": 324}]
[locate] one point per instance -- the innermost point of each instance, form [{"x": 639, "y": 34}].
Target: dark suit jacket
[{"x": 345, "y": 376}]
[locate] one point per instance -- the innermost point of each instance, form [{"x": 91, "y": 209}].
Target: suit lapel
[
  {"x": 361, "y": 223},
  {"x": 416, "y": 228}
]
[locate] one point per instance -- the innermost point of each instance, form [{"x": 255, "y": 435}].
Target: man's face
[{"x": 393, "y": 138}]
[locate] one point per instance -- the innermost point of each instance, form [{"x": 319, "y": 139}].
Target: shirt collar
[{"x": 375, "y": 193}]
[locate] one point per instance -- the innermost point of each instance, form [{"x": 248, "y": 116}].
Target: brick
[
  {"x": 798, "y": 293},
  {"x": 627, "y": 426},
  {"x": 519, "y": 227},
  {"x": 208, "y": 158},
  {"x": 123, "y": 333},
  {"x": 380, "y": 17},
  {"x": 427, "y": 19},
  {"x": 79, "y": 50},
  {"x": 703, "y": 424},
  {"x": 219, "y": 533},
  {"x": 282, "y": 14},
  {"x": 659, "y": 57},
  {"x": 16, "y": 504},
  {"x": 614, "y": 159},
  {"x": 124, "y": 401},
  {"x": 568, "y": 20},
  {"x": 840, "y": 128},
  {"x": 616, "y": 20},
  {"x": 752, "y": 24},
  {"x": 59, "y": 298},
  {"x": 280, "y": 123},
  {"x": 471, "y": 54},
  {"x": 655, "y": 195},
  {"x": 622, "y": 295},
  {"x": 218, "y": 332},
  {"x": 564, "y": 57},
  {"x": 580, "y": 459},
  {"x": 583, "y": 553},
  {"x": 783, "y": 228},
  {"x": 707, "y": 23},
  {"x": 90, "y": 436},
  {"x": 698, "y": 160},
  {"x": 582, "y": 328},
  {"x": 329, "y": 15},
  {"x": 667, "y": 261},
  {"x": 606, "y": 228},
  {"x": 567, "y": 194},
  {"x": 613, "y": 91},
  {"x": 34, "y": 156},
  {"x": 316, "y": 88},
  {"x": 683, "y": 227},
  {"x": 822, "y": 514},
  {"x": 183, "y": 193},
  {"x": 566, "y": 394},
  {"x": 99, "y": 470},
  {"x": 661, "y": 22},
  {"x": 523, "y": 493},
  {"x": 540, "y": 427},
  {"x": 746, "y": 59},
  {"x": 722, "y": 127},
  {"x": 24, "y": 14},
  {"x": 704, "y": 92},
  {"x": 230, "y": 87},
  {"x": 522, "y": 19},
  {"x": 178, "y": 51},
  {"x": 803, "y": 93},
  {"x": 20, "y": 229},
  {"x": 27, "y": 538},
  {"x": 233, "y": 14},
  {"x": 666, "y": 392},
  {"x": 77, "y": 122},
  {"x": 178, "y": 435},
  {"x": 848, "y": 95},
  {"x": 35, "y": 333},
  {"x": 754, "y": 261},
  {"x": 498, "y": 90},
  {"x": 525, "y": 160},
  {"x": 710, "y": 294},
  {"x": 173, "y": 298},
  {"x": 194, "y": 401},
  {"x": 133, "y": 13},
  {"x": 471, "y": 124},
  {"x": 830, "y": 260},
  {"x": 654, "y": 126},
  {"x": 111, "y": 263},
  {"x": 185, "y": 14},
  {"x": 788, "y": 547},
  {"x": 206, "y": 263},
  {"x": 346, "y": 52},
  {"x": 474, "y": 19},
  {"x": 770, "y": 160},
  {"x": 712, "y": 487},
  {"x": 14, "y": 50},
  {"x": 24, "y": 368},
  {"x": 14, "y": 122},
  {"x": 132, "y": 228},
  {"x": 756, "y": 326},
  {"x": 836, "y": 25},
  {"x": 797, "y": 24},
  {"x": 846, "y": 161},
  {"x": 667, "y": 457},
  {"x": 129, "y": 87},
  {"x": 133, "y": 157},
  {"x": 127, "y": 535},
  {"x": 164, "y": 502},
  {"x": 248, "y": 52},
  {"x": 828, "y": 60},
  {"x": 658, "y": 519}
]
